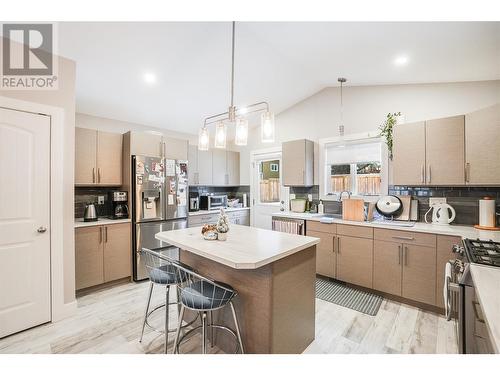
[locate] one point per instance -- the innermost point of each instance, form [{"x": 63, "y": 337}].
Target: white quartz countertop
[
  {"x": 448, "y": 230},
  {"x": 487, "y": 283},
  {"x": 216, "y": 212},
  {"x": 79, "y": 223},
  {"x": 245, "y": 247}
]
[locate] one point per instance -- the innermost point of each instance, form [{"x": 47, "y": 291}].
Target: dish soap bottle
[{"x": 321, "y": 209}]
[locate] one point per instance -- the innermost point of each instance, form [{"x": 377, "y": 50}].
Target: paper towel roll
[{"x": 487, "y": 212}]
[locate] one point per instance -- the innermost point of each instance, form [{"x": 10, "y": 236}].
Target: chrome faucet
[{"x": 342, "y": 192}]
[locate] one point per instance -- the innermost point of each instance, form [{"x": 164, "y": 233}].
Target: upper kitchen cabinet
[
  {"x": 146, "y": 144},
  {"x": 444, "y": 151},
  {"x": 232, "y": 168},
  {"x": 409, "y": 154},
  {"x": 219, "y": 167},
  {"x": 175, "y": 148},
  {"x": 98, "y": 158},
  {"x": 193, "y": 173},
  {"x": 298, "y": 163},
  {"x": 482, "y": 145},
  {"x": 213, "y": 167}
]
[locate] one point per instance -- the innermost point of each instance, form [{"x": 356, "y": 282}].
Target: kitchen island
[{"x": 274, "y": 274}]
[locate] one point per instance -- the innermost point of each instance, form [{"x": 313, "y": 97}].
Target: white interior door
[
  {"x": 24, "y": 220},
  {"x": 267, "y": 189}
]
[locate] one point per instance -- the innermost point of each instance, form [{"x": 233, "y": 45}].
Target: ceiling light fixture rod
[
  {"x": 216, "y": 118},
  {"x": 232, "y": 66}
]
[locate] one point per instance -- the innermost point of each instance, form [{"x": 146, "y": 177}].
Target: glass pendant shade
[
  {"x": 203, "y": 139},
  {"x": 241, "y": 137},
  {"x": 220, "y": 135},
  {"x": 267, "y": 127}
]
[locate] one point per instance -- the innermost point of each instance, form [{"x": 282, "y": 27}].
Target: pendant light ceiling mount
[
  {"x": 234, "y": 115},
  {"x": 341, "y": 80}
]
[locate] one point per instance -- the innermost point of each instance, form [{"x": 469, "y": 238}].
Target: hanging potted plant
[{"x": 386, "y": 130}]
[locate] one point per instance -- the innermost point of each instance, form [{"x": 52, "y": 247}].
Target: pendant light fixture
[
  {"x": 341, "y": 125},
  {"x": 235, "y": 116}
]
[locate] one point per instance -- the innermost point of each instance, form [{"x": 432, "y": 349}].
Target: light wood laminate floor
[{"x": 109, "y": 321}]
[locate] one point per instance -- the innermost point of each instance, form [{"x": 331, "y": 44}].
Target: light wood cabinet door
[
  {"x": 298, "y": 163},
  {"x": 387, "y": 267},
  {"x": 355, "y": 260},
  {"x": 219, "y": 174},
  {"x": 117, "y": 252},
  {"x": 88, "y": 257},
  {"x": 444, "y": 254},
  {"x": 193, "y": 165},
  {"x": 409, "y": 154},
  {"x": 175, "y": 148},
  {"x": 146, "y": 144},
  {"x": 445, "y": 151},
  {"x": 109, "y": 158},
  {"x": 419, "y": 273},
  {"x": 325, "y": 253},
  {"x": 205, "y": 167},
  {"x": 85, "y": 156},
  {"x": 233, "y": 168},
  {"x": 482, "y": 145}
]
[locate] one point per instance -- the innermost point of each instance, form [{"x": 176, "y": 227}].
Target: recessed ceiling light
[
  {"x": 401, "y": 60},
  {"x": 149, "y": 78}
]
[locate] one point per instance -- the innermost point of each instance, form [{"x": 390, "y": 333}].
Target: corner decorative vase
[{"x": 222, "y": 236}]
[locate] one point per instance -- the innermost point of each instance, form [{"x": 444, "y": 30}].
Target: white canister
[{"x": 487, "y": 212}]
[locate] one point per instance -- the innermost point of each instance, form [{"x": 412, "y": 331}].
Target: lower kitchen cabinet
[
  {"x": 355, "y": 260},
  {"x": 387, "y": 268},
  {"x": 89, "y": 261},
  {"x": 325, "y": 253},
  {"x": 117, "y": 256},
  {"x": 102, "y": 254},
  {"x": 419, "y": 273}
]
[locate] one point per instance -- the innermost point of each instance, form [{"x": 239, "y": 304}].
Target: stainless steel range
[{"x": 461, "y": 303}]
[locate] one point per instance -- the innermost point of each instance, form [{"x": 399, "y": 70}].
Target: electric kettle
[
  {"x": 90, "y": 213},
  {"x": 441, "y": 214}
]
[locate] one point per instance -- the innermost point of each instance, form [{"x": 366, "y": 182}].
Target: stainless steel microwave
[{"x": 213, "y": 202}]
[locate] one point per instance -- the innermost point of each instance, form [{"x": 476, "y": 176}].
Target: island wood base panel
[{"x": 275, "y": 303}]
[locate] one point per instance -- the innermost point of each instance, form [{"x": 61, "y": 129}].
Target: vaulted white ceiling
[{"x": 282, "y": 63}]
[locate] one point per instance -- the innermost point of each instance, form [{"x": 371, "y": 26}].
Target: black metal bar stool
[
  {"x": 203, "y": 296},
  {"x": 162, "y": 273}
]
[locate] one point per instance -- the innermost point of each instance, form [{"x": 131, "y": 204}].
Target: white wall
[
  {"x": 115, "y": 126},
  {"x": 365, "y": 108}
]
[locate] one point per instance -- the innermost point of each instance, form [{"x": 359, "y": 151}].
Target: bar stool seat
[
  {"x": 166, "y": 274},
  {"x": 202, "y": 295}
]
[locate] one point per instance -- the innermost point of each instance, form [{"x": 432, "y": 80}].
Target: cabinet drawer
[
  {"x": 414, "y": 238},
  {"x": 355, "y": 231},
  {"x": 320, "y": 227}
]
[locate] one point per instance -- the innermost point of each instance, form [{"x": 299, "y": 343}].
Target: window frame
[{"x": 346, "y": 140}]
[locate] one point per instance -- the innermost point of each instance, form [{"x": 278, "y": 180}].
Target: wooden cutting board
[{"x": 353, "y": 209}]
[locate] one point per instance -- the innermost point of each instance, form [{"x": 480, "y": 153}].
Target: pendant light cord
[{"x": 232, "y": 66}]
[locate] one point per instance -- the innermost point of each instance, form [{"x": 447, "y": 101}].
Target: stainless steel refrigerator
[{"x": 159, "y": 203}]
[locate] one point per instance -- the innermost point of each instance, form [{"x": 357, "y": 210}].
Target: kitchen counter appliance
[
  {"x": 119, "y": 201},
  {"x": 90, "y": 213},
  {"x": 389, "y": 206},
  {"x": 159, "y": 203},
  {"x": 212, "y": 202},
  {"x": 461, "y": 303}
]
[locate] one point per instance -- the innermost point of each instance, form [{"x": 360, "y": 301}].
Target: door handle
[
  {"x": 403, "y": 238},
  {"x": 100, "y": 234},
  {"x": 105, "y": 234},
  {"x": 476, "y": 312},
  {"x": 400, "y": 249},
  {"x": 406, "y": 255},
  {"x": 429, "y": 176},
  {"x": 41, "y": 230},
  {"x": 338, "y": 245},
  {"x": 98, "y": 174},
  {"x": 422, "y": 173},
  {"x": 93, "y": 175},
  {"x": 467, "y": 172}
]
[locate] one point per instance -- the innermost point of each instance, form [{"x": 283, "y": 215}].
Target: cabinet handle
[
  {"x": 467, "y": 172},
  {"x": 98, "y": 174},
  {"x": 164, "y": 148},
  {"x": 400, "y": 249},
  {"x": 429, "y": 177},
  {"x": 403, "y": 238},
  {"x": 93, "y": 175},
  {"x": 105, "y": 234},
  {"x": 100, "y": 234},
  {"x": 338, "y": 245},
  {"x": 334, "y": 237},
  {"x": 406, "y": 256},
  {"x": 422, "y": 173}
]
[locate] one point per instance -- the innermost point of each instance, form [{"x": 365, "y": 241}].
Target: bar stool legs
[
  {"x": 178, "y": 331},
  {"x": 237, "y": 327},
  {"x": 204, "y": 333},
  {"x": 167, "y": 307},
  {"x": 151, "y": 284}
]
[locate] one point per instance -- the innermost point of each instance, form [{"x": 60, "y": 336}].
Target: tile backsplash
[
  {"x": 465, "y": 200},
  {"x": 84, "y": 195}
]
